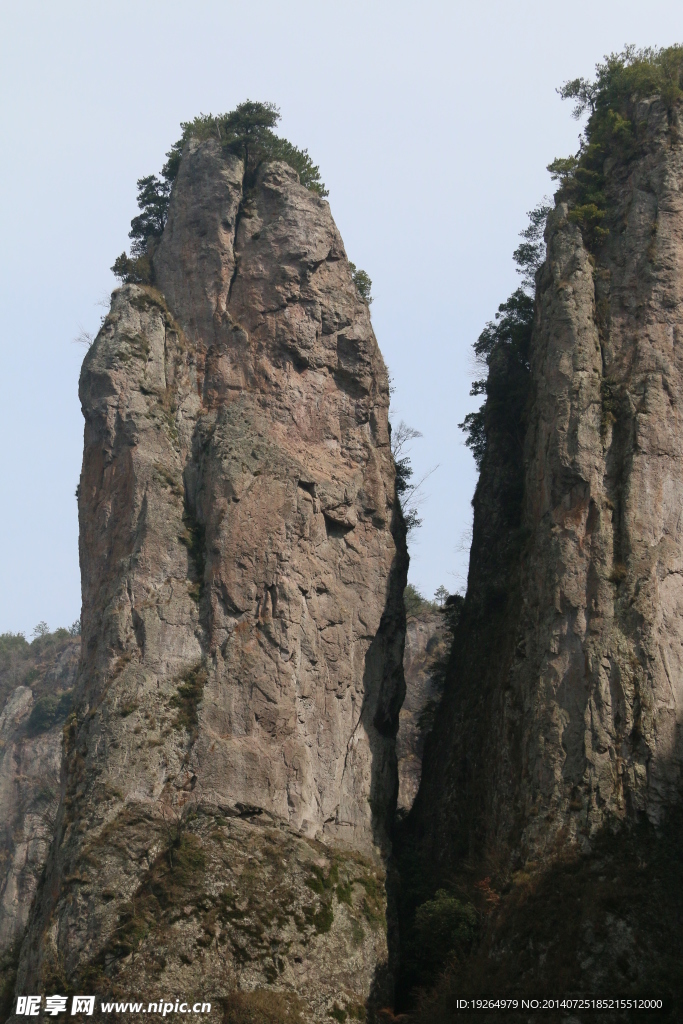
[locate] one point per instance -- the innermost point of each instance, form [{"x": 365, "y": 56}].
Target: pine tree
[{"x": 246, "y": 131}]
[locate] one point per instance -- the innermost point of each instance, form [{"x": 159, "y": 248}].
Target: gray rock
[
  {"x": 568, "y": 718},
  {"x": 30, "y": 757},
  {"x": 243, "y": 564},
  {"x": 425, "y": 645},
  {"x": 551, "y": 784}
]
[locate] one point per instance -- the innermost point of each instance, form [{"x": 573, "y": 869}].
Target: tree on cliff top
[
  {"x": 247, "y": 132},
  {"x": 615, "y": 128},
  {"x": 503, "y": 346},
  {"x": 612, "y": 130}
]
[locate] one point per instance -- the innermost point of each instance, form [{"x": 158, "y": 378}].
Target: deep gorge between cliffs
[{"x": 234, "y": 818}]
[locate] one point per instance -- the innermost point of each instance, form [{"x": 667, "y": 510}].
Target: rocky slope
[
  {"x": 558, "y": 746},
  {"x": 36, "y": 681},
  {"x": 231, "y": 768}
]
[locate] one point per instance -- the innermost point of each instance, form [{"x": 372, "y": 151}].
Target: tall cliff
[
  {"x": 36, "y": 686},
  {"x": 230, "y": 767},
  {"x": 552, "y": 782},
  {"x": 426, "y": 647}
]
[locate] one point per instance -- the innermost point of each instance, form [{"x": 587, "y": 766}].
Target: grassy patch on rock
[
  {"x": 187, "y": 699},
  {"x": 263, "y": 1006},
  {"x": 243, "y": 900}
]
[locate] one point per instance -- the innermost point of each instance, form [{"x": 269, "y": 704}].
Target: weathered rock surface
[
  {"x": 31, "y": 723},
  {"x": 600, "y": 680},
  {"x": 425, "y": 645},
  {"x": 561, "y": 721},
  {"x": 587, "y": 713},
  {"x": 231, "y": 772}
]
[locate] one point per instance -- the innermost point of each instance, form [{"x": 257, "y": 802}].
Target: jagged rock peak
[{"x": 243, "y": 561}]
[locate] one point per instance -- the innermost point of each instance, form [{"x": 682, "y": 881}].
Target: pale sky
[{"x": 432, "y": 123}]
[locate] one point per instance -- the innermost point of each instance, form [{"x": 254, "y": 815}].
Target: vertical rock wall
[
  {"x": 551, "y": 785},
  {"x": 564, "y": 710},
  {"x": 231, "y": 770},
  {"x": 600, "y": 680},
  {"x": 31, "y": 723},
  {"x": 425, "y": 650}
]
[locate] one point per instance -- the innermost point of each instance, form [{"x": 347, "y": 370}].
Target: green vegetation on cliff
[
  {"x": 247, "y": 132},
  {"x": 504, "y": 346},
  {"x": 610, "y": 912},
  {"x": 536, "y": 932},
  {"x": 616, "y": 130},
  {"x": 187, "y": 699},
  {"x": 363, "y": 283},
  {"x": 33, "y": 664},
  {"x": 414, "y": 601}
]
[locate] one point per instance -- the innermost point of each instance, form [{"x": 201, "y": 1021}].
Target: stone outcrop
[
  {"x": 230, "y": 773},
  {"x": 588, "y": 699},
  {"x": 36, "y": 681},
  {"x": 561, "y": 722},
  {"x": 425, "y": 647}
]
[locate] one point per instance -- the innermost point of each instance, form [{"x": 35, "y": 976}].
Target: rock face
[
  {"x": 425, "y": 646},
  {"x": 588, "y": 705},
  {"x": 231, "y": 771},
  {"x": 562, "y": 715},
  {"x": 31, "y": 723}
]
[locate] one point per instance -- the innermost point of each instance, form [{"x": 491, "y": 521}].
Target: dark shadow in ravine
[
  {"x": 384, "y": 689},
  {"x": 604, "y": 924}
]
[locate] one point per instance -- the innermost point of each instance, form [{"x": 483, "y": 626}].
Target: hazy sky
[{"x": 432, "y": 123}]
